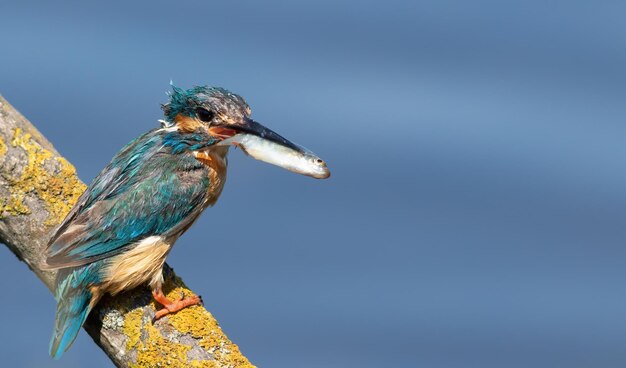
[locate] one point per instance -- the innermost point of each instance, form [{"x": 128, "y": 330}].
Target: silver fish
[{"x": 293, "y": 157}]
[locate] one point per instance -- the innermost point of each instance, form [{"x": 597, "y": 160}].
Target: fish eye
[{"x": 204, "y": 114}]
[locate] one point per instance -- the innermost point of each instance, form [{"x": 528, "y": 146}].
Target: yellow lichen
[
  {"x": 132, "y": 327},
  {"x": 58, "y": 190},
  {"x": 200, "y": 324},
  {"x": 13, "y": 205},
  {"x": 204, "y": 364},
  {"x": 3, "y": 147},
  {"x": 155, "y": 350}
]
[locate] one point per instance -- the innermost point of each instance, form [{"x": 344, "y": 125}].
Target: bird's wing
[
  {"x": 125, "y": 204},
  {"x": 118, "y": 175}
]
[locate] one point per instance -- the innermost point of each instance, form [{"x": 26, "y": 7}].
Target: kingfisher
[{"x": 119, "y": 233}]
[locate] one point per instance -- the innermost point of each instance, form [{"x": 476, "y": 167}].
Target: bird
[{"x": 118, "y": 234}]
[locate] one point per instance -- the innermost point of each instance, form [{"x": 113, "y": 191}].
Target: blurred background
[{"x": 475, "y": 215}]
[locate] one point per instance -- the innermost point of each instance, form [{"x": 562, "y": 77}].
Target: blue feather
[
  {"x": 73, "y": 305},
  {"x": 153, "y": 187},
  {"x": 121, "y": 207},
  {"x": 182, "y": 102},
  {"x": 187, "y": 142}
]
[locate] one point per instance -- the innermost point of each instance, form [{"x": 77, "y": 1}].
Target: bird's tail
[{"x": 73, "y": 306}]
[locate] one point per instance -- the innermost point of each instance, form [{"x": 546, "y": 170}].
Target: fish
[{"x": 290, "y": 156}]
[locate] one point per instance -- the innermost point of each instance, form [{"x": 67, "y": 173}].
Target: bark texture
[{"x": 38, "y": 187}]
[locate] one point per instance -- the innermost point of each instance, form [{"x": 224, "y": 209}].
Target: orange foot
[{"x": 172, "y": 306}]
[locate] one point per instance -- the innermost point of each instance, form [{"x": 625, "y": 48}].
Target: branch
[{"x": 38, "y": 187}]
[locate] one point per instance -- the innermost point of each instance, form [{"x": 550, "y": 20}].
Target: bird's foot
[{"x": 173, "y": 306}]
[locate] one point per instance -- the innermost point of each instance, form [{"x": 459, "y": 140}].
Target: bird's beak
[{"x": 266, "y": 145}]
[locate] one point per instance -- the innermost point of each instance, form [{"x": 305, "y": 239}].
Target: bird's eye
[{"x": 204, "y": 114}]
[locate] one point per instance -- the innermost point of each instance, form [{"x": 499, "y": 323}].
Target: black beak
[
  {"x": 252, "y": 127},
  {"x": 264, "y": 144}
]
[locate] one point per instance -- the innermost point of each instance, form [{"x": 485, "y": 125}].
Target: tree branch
[{"x": 38, "y": 187}]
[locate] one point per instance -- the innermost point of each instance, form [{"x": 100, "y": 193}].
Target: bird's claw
[{"x": 176, "y": 305}]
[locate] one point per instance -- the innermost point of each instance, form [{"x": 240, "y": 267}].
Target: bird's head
[{"x": 215, "y": 117}]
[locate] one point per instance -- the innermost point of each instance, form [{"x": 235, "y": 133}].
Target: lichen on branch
[{"x": 58, "y": 190}]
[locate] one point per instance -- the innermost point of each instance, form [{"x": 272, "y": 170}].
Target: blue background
[{"x": 475, "y": 215}]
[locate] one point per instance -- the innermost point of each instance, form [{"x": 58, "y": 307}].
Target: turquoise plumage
[
  {"x": 73, "y": 307},
  {"x": 141, "y": 193},
  {"x": 120, "y": 231}
]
